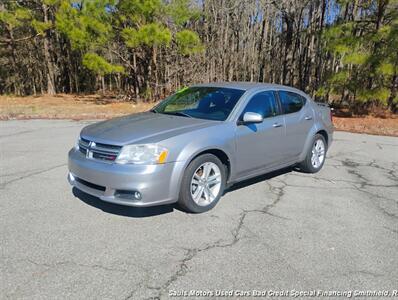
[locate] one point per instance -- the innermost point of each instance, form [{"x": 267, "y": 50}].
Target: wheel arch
[
  {"x": 220, "y": 154},
  {"x": 325, "y": 135},
  {"x": 307, "y": 145}
]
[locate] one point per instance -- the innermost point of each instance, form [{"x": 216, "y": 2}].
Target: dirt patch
[
  {"x": 368, "y": 124},
  {"x": 78, "y": 107},
  {"x": 66, "y": 107}
]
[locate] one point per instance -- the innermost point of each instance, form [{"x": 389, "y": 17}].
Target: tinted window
[
  {"x": 262, "y": 103},
  {"x": 210, "y": 103},
  {"x": 291, "y": 102}
]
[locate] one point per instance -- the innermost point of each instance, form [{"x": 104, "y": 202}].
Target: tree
[
  {"x": 366, "y": 66},
  {"x": 88, "y": 26},
  {"x": 341, "y": 50},
  {"x": 13, "y": 20}
]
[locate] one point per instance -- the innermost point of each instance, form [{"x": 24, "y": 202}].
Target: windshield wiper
[
  {"x": 154, "y": 111},
  {"x": 178, "y": 113}
]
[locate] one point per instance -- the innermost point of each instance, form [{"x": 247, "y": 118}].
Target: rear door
[
  {"x": 260, "y": 145},
  {"x": 299, "y": 118}
]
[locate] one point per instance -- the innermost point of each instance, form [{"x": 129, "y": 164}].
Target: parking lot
[{"x": 334, "y": 230}]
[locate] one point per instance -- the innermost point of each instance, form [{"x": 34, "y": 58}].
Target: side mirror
[{"x": 251, "y": 117}]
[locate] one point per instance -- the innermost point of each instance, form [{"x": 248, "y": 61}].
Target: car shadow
[
  {"x": 142, "y": 212},
  {"x": 257, "y": 179},
  {"x": 121, "y": 210}
]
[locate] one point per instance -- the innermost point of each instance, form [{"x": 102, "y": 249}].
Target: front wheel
[
  {"x": 316, "y": 155},
  {"x": 203, "y": 184}
]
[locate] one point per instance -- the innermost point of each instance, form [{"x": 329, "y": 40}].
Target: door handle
[
  {"x": 308, "y": 118},
  {"x": 276, "y": 125}
]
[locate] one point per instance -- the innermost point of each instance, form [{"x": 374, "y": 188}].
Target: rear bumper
[{"x": 157, "y": 184}]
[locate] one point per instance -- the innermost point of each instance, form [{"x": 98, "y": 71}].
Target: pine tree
[
  {"x": 365, "y": 47},
  {"x": 14, "y": 20},
  {"x": 88, "y": 26}
]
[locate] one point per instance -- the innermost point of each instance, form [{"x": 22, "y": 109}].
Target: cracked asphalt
[{"x": 334, "y": 230}]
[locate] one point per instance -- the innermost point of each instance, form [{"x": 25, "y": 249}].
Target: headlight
[{"x": 142, "y": 154}]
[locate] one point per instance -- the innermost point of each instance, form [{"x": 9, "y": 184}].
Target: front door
[{"x": 259, "y": 145}]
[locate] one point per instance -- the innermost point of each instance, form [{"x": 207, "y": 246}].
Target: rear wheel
[
  {"x": 316, "y": 155},
  {"x": 203, "y": 184}
]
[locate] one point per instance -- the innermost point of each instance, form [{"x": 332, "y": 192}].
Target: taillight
[{"x": 331, "y": 115}]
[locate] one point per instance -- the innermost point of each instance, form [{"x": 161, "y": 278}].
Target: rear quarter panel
[{"x": 322, "y": 121}]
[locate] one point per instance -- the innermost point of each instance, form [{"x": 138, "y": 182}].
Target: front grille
[
  {"x": 90, "y": 185},
  {"x": 98, "y": 150}
]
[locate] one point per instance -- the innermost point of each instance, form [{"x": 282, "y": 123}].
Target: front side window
[
  {"x": 263, "y": 103},
  {"x": 291, "y": 102},
  {"x": 211, "y": 103}
]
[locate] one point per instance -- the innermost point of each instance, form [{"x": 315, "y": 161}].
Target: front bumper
[{"x": 157, "y": 184}]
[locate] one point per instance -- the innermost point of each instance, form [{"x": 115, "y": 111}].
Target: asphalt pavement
[{"x": 336, "y": 230}]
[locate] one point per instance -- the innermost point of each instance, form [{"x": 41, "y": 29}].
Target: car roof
[{"x": 243, "y": 85}]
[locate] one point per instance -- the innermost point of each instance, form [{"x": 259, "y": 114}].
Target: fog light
[
  {"x": 137, "y": 195},
  {"x": 129, "y": 195}
]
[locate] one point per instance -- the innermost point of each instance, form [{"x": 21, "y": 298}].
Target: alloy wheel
[
  {"x": 318, "y": 153},
  {"x": 206, "y": 183}
]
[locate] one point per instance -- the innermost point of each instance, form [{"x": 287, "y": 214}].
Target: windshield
[{"x": 211, "y": 103}]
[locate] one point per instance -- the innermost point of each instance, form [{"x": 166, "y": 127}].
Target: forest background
[{"x": 139, "y": 51}]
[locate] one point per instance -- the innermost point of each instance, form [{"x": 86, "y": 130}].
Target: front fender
[{"x": 219, "y": 138}]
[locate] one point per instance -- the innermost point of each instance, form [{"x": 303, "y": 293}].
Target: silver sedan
[{"x": 198, "y": 141}]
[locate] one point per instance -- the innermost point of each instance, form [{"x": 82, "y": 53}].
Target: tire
[
  {"x": 194, "y": 183},
  {"x": 313, "y": 166}
]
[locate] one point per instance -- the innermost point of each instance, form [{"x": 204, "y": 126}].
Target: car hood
[{"x": 145, "y": 127}]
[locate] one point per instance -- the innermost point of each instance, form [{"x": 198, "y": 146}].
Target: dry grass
[
  {"x": 99, "y": 107},
  {"x": 66, "y": 107},
  {"x": 368, "y": 124}
]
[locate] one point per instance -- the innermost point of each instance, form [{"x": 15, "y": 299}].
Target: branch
[
  {"x": 9, "y": 41},
  {"x": 123, "y": 59}
]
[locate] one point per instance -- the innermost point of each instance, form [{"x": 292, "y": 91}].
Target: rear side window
[
  {"x": 263, "y": 103},
  {"x": 291, "y": 102}
]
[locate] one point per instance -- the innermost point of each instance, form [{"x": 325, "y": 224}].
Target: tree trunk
[{"x": 50, "y": 68}]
